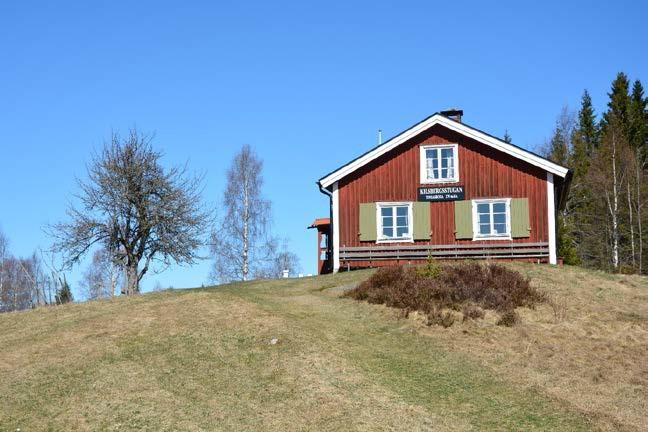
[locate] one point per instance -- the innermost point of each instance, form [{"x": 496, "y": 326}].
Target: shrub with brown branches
[{"x": 470, "y": 287}]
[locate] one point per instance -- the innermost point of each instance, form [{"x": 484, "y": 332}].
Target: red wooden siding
[{"x": 484, "y": 172}]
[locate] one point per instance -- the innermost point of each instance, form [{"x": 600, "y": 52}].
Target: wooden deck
[{"x": 506, "y": 251}]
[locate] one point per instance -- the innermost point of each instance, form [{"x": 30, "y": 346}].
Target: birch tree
[
  {"x": 608, "y": 173},
  {"x": 103, "y": 276},
  {"x": 134, "y": 208},
  {"x": 241, "y": 245},
  {"x": 638, "y": 137}
]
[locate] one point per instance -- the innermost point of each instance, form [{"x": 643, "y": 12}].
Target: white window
[
  {"x": 492, "y": 219},
  {"x": 439, "y": 163},
  {"x": 394, "y": 222}
]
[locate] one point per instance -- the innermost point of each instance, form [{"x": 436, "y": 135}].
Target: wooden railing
[{"x": 458, "y": 251}]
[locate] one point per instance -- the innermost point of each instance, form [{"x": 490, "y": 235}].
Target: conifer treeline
[{"x": 605, "y": 221}]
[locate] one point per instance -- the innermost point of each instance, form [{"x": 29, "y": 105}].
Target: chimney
[{"x": 453, "y": 114}]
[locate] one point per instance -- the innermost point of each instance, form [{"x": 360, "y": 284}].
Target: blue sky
[{"x": 306, "y": 85}]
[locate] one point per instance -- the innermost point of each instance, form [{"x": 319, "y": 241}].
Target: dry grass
[
  {"x": 201, "y": 360},
  {"x": 587, "y": 348}
]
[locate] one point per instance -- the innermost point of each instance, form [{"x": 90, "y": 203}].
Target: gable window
[
  {"x": 394, "y": 221},
  {"x": 439, "y": 163},
  {"x": 491, "y": 219}
]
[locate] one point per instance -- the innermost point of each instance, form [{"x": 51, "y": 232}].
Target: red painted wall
[{"x": 484, "y": 172}]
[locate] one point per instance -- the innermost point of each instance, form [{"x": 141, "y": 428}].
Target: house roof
[
  {"x": 320, "y": 222},
  {"x": 462, "y": 128}
]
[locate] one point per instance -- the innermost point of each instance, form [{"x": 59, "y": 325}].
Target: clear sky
[{"x": 306, "y": 84}]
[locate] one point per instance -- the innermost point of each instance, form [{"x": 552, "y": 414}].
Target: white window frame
[
  {"x": 423, "y": 163},
  {"x": 475, "y": 220},
  {"x": 410, "y": 221}
]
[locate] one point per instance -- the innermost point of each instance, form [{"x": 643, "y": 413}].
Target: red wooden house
[{"x": 443, "y": 189}]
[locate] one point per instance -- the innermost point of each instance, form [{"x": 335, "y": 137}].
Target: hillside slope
[{"x": 202, "y": 360}]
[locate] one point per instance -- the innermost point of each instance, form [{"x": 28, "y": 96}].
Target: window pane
[
  {"x": 500, "y": 228},
  {"x": 499, "y": 207},
  {"x": 444, "y": 163},
  {"x": 388, "y": 221},
  {"x": 431, "y": 153},
  {"x": 401, "y": 231},
  {"x": 386, "y": 211},
  {"x": 444, "y": 173},
  {"x": 484, "y": 218},
  {"x": 435, "y": 163},
  {"x": 499, "y": 218},
  {"x": 401, "y": 221},
  {"x": 388, "y": 232},
  {"x": 483, "y": 208},
  {"x": 401, "y": 211},
  {"x": 447, "y": 152},
  {"x": 484, "y": 229}
]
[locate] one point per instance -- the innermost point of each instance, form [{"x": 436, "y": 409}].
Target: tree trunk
[
  {"x": 246, "y": 230},
  {"x": 132, "y": 280},
  {"x": 113, "y": 280},
  {"x": 638, "y": 178},
  {"x": 632, "y": 233},
  {"x": 615, "y": 209}
]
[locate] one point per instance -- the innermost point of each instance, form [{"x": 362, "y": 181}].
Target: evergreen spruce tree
[
  {"x": 612, "y": 177},
  {"x": 507, "y": 138},
  {"x": 64, "y": 294},
  {"x": 638, "y": 120},
  {"x": 587, "y": 126},
  {"x": 638, "y": 140},
  {"x": 559, "y": 146},
  {"x": 619, "y": 104},
  {"x": 566, "y": 248},
  {"x": 585, "y": 141}
]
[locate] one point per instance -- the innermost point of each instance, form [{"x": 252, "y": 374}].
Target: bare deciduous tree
[
  {"x": 18, "y": 287},
  {"x": 241, "y": 245},
  {"x": 4, "y": 245},
  {"x": 135, "y": 209},
  {"x": 22, "y": 281},
  {"x": 284, "y": 261},
  {"x": 102, "y": 277}
]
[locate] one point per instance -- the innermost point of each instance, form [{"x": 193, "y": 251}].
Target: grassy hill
[{"x": 202, "y": 360}]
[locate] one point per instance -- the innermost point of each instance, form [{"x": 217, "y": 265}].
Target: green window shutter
[
  {"x": 520, "y": 217},
  {"x": 421, "y": 218},
  {"x": 463, "y": 219},
  {"x": 368, "y": 222}
]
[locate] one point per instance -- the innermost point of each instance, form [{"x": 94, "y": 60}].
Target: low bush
[
  {"x": 471, "y": 312},
  {"x": 508, "y": 318},
  {"x": 438, "y": 317},
  {"x": 469, "y": 287}
]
